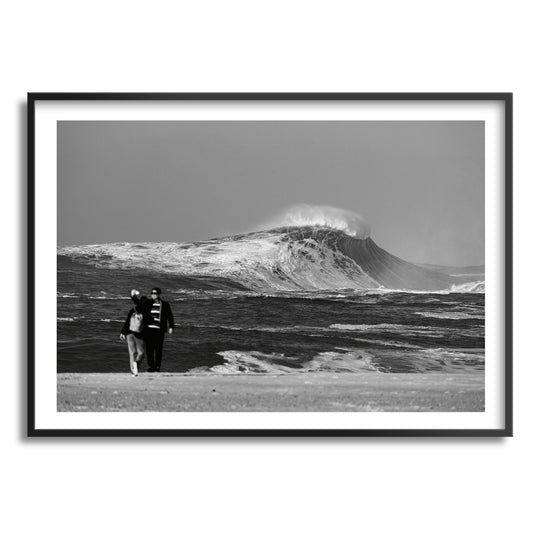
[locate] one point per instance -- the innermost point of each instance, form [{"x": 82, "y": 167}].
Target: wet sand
[{"x": 326, "y": 392}]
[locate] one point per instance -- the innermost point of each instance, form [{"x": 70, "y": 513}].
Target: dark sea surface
[{"x": 224, "y": 327}]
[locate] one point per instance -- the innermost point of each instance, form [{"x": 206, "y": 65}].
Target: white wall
[{"x": 244, "y": 485}]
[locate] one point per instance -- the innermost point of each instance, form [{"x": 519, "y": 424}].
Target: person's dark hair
[{"x": 156, "y": 289}]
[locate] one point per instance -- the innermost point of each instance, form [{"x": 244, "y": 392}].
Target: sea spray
[{"x": 321, "y": 216}]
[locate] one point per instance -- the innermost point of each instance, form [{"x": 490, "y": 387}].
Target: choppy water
[{"x": 222, "y": 326}]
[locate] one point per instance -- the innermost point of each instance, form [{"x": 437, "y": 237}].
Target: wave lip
[{"x": 303, "y": 215}]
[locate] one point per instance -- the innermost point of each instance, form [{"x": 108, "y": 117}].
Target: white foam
[
  {"x": 472, "y": 286},
  {"x": 383, "y": 328},
  {"x": 456, "y": 315},
  {"x": 250, "y": 362},
  {"x": 323, "y": 216},
  {"x": 238, "y": 362},
  {"x": 346, "y": 361}
]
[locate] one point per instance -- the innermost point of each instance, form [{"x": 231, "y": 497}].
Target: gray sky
[{"x": 420, "y": 185}]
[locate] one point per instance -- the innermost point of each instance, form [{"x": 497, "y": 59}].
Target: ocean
[{"x": 290, "y": 299}]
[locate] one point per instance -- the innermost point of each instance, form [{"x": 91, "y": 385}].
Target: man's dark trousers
[{"x": 154, "y": 347}]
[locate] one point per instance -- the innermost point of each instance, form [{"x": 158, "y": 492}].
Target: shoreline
[{"x": 298, "y": 392}]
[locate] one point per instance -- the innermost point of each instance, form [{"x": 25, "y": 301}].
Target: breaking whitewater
[{"x": 309, "y": 296}]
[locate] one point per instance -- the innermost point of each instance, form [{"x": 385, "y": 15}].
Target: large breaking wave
[{"x": 288, "y": 258}]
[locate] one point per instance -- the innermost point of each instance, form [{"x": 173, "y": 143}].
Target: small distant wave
[
  {"x": 366, "y": 327},
  {"x": 477, "y": 287},
  {"x": 456, "y": 315},
  {"x": 108, "y": 297},
  {"x": 84, "y": 319},
  {"x": 472, "y": 286},
  {"x": 262, "y": 329},
  {"x": 402, "y": 329},
  {"x": 90, "y": 296}
]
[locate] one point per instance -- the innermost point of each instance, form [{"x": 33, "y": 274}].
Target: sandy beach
[{"x": 171, "y": 392}]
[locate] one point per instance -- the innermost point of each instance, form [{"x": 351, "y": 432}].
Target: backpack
[{"x": 136, "y": 322}]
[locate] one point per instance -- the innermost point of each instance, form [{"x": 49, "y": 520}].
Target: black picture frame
[{"x": 506, "y": 99}]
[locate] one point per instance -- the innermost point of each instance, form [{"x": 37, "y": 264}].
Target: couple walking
[{"x": 145, "y": 328}]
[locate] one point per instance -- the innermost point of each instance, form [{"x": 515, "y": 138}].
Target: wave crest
[{"x": 302, "y": 215}]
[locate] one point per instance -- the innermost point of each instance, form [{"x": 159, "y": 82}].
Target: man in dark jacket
[{"x": 162, "y": 320}]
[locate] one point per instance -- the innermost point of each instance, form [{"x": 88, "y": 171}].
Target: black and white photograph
[
  {"x": 268, "y": 265},
  {"x": 272, "y": 266}
]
